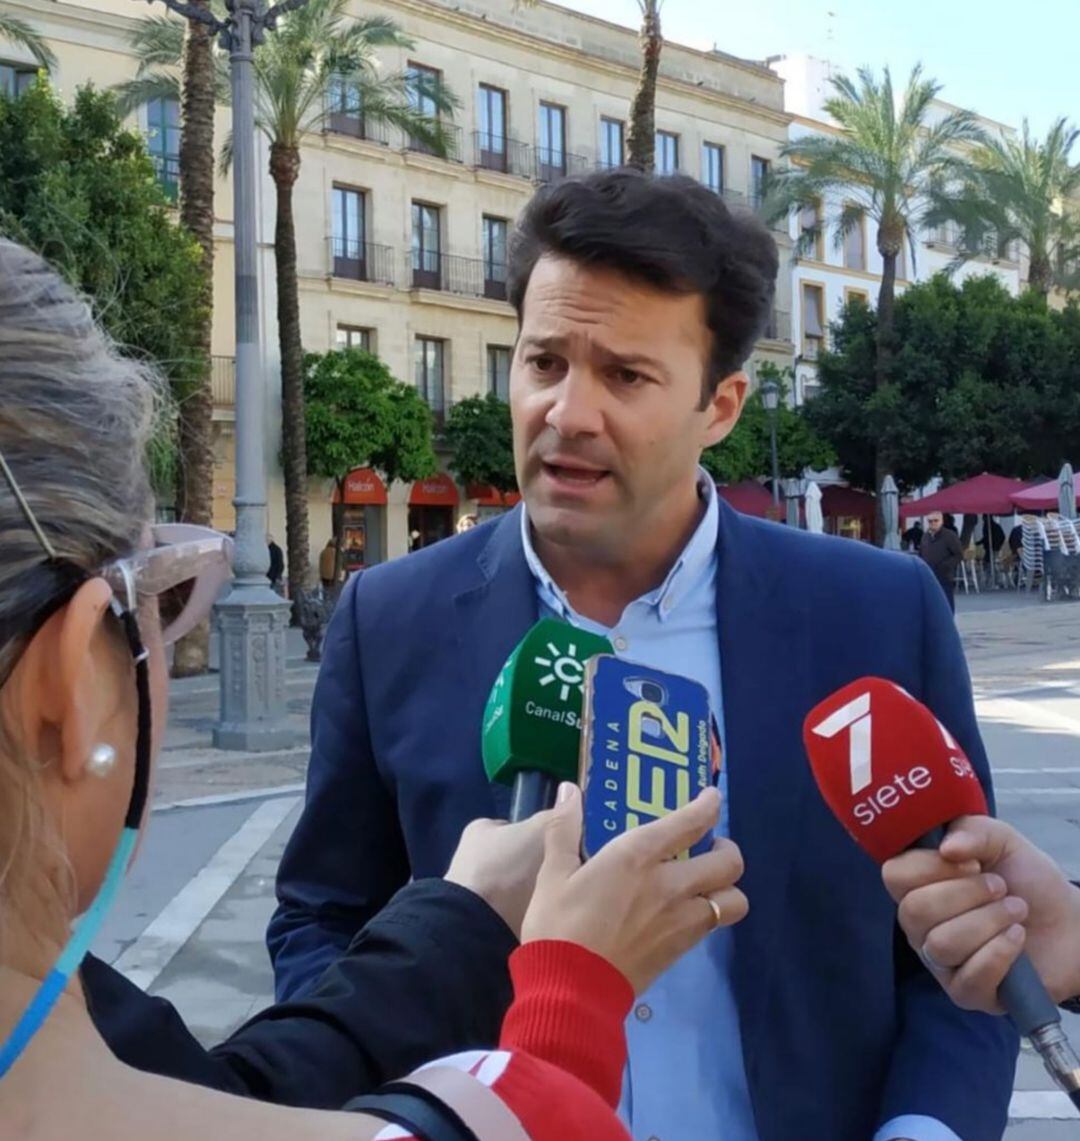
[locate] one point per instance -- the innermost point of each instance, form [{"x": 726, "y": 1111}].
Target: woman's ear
[
  {"x": 725, "y": 408},
  {"x": 68, "y": 687}
]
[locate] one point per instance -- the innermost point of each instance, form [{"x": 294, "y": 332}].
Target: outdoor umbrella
[
  {"x": 792, "y": 495},
  {"x": 1067, "y": 492},
  {"x": 1044, "y": 496},
  {"x": 815, "y": 522},
  {"x": 890, "y": 513},
  {"x": 982, "y": 495},
  {"x": 750, "y": 498}
]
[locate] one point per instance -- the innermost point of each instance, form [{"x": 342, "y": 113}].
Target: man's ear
[
  {"x": 64, "y": 694},
  {"x": 725, "y": 407}
]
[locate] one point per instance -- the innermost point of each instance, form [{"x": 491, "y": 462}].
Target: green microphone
[{"x": 532, "y": 722}]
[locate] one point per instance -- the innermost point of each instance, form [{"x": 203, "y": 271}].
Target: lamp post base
[{"x": 251, "y": 621}]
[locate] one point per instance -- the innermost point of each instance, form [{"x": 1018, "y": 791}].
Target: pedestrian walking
[{"x": 942, "y": 553}]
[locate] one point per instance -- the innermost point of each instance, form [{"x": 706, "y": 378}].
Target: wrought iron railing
[{"x": 362, "y": 261}]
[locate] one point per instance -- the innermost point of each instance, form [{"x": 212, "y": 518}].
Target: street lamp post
[
  {"x": 252, "y": 619},
  {"x": 770, "y": 397}
]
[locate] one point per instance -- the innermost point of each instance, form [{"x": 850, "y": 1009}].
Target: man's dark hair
[{"x": 669, "y": 232}]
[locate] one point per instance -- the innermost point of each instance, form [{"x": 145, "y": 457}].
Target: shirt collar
[{"x": 696, "y": 557}]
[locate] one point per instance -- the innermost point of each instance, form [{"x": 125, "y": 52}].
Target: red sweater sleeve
[{"x": 569, "y": 1009}]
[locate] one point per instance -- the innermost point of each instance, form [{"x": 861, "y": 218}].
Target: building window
[
  {"x": 813, "y": 321},
  {"x": 353, "y": 337},
  {"x": 426, "y": 246},
  {"x": 667, "y": 152},
  {"x": 343, "y": 105},
  {"x": 491, "y": 117},
  {"x": 856, "y": 295},
  {"x": 496, "y": 231},
  {"x": 712, "y": 167},
  {"x": 163, "y": 142},
  {"x": 498, "y": 367},
  {"x": 15, "y": 78},
  {"x": 424, "y": 86},
  {"x": 855, "y": 245},
  {"x": 430, "y": 372},
  {"x": 810, "y": 230},
  {"x": 349, "y": 221},
  {"x": 612, "y": 133},
  {"x": 552, "y": 157},
  {"x": 759, "y": 180}
]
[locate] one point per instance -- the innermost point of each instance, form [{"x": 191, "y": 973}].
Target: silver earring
[{"x": 102, "y": 760}]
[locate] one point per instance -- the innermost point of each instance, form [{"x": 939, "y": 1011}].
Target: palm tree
[
  {"x": 161, "y": 42},
  {"x": 641, "y": 129},
  {"x": 23, "y": 35},
  {"x": 1019, "y": 191},
  {"x": 314, "y": 50},
  {"x": 641, "y": 132},
  {"x": 883, "y": 163}
]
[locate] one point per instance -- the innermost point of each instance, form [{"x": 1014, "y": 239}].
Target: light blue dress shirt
[{"x": 685, "y": 1077}]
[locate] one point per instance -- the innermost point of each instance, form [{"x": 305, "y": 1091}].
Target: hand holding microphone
[
  {"x": 633, "y": 903},
  {"x": 984, "y": 897}
]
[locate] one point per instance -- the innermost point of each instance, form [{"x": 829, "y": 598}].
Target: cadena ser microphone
[
  {"x": 532, "y": 723},
  {"x": 648, "y": 746},
  {"x": 894, "y": 776}
]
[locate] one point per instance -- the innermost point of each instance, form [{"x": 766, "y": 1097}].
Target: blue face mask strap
[{"x": 90, "y": 923}]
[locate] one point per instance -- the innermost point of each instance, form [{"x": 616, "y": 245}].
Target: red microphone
[
  {"x": 894, "y": 776},
  {"x": 887, "y": 767}
]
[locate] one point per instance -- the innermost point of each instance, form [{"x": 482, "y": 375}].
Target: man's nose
[{"x": 578, "y": 406}]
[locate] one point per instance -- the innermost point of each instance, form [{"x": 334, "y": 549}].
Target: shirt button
[
  {"x": 643, "y": 1013},
  {"x": 621, "y": 643}
]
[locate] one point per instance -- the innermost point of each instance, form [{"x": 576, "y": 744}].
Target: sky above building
[{"x": 1000, "y": 58}]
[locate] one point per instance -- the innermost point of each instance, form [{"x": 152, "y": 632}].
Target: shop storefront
[
  {"x": 432, "y": 506},
  {"x": 489, "y": 501},
  {"x": 361, "y": 514}
]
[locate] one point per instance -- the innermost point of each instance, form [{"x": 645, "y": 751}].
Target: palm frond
[
  {"x": 148, "y": 86},
  {"x": 158, "y": 41},
  {"x": 24, "y": 35}
]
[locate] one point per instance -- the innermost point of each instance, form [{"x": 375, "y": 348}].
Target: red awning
[
  {"x": 438, "y": 491},
  {"x": 749, "y": 497},
  {"x": 1041, "y": 497},
  {"x": 488, "y": 496},
  {"x": 981, "y": 495},
  {"x": 362, "y": 485}
]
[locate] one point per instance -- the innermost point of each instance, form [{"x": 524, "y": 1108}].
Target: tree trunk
[
  {"x": 285, "y": 169},
  {"x": 641, "y": 136},
  {"x": 1040, "y": 274},
  {"x": 883, "y": 364},
  {"x": 195, "y": 478}
]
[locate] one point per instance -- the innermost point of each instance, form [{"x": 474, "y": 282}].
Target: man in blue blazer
[{"x": 639, "y": 299}]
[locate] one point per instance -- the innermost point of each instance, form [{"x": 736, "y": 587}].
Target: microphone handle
[{"x": 533, "y": 792}]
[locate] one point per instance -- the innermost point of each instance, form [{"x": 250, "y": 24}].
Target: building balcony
[
  {"x": 454, "y": 145},
  {"x": 362, "y": 261},
  {"x": 223, "y": 381},
  {"x": 502, "y": 153},
  {"x": 778, "y": 327},
  {"x": 357, "y": 126},
  {"x": 554, "y": 165},
  {"x": 466, "y": 277}
]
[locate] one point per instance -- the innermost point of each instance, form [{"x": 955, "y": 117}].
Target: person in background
[
  {"x": 328, "y": 565},
  {"x": 941, "y": 551},
  {"x": 912, "y": 537},
  {"x": 277, "y": 564},
  {"x": 91, "y": 593},
  {"x": 466, "y": 523}
]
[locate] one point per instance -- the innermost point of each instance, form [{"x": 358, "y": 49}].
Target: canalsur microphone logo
[{"x": 565, "y": 668}]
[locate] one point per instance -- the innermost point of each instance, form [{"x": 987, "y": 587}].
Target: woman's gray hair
[{"x": 75, "y": 421}]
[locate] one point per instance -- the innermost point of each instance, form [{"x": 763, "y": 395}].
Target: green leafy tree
[
  {"x": 882, "y": 164},
  {"x": 981, "y": 381},
  {"x": 747, "y": 451},
  {"x": 79, "y": 188},
  {"x": 480, "y": 436},
  {"x": 1018, "y": 191},
  {"x": 360, "y": 415}
]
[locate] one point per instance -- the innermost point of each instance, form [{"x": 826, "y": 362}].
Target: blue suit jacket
[{"x": 842, "y": 1028}]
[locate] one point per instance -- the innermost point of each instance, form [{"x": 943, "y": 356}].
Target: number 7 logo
[{"x": 856, "y": 717}]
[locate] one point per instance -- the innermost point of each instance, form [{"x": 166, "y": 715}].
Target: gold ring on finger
[{"x": 718, "y": 915}]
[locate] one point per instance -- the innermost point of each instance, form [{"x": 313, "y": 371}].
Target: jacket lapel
[
  {"x": 764, "y": 654},
  {"x": 492, "y": 612}
]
